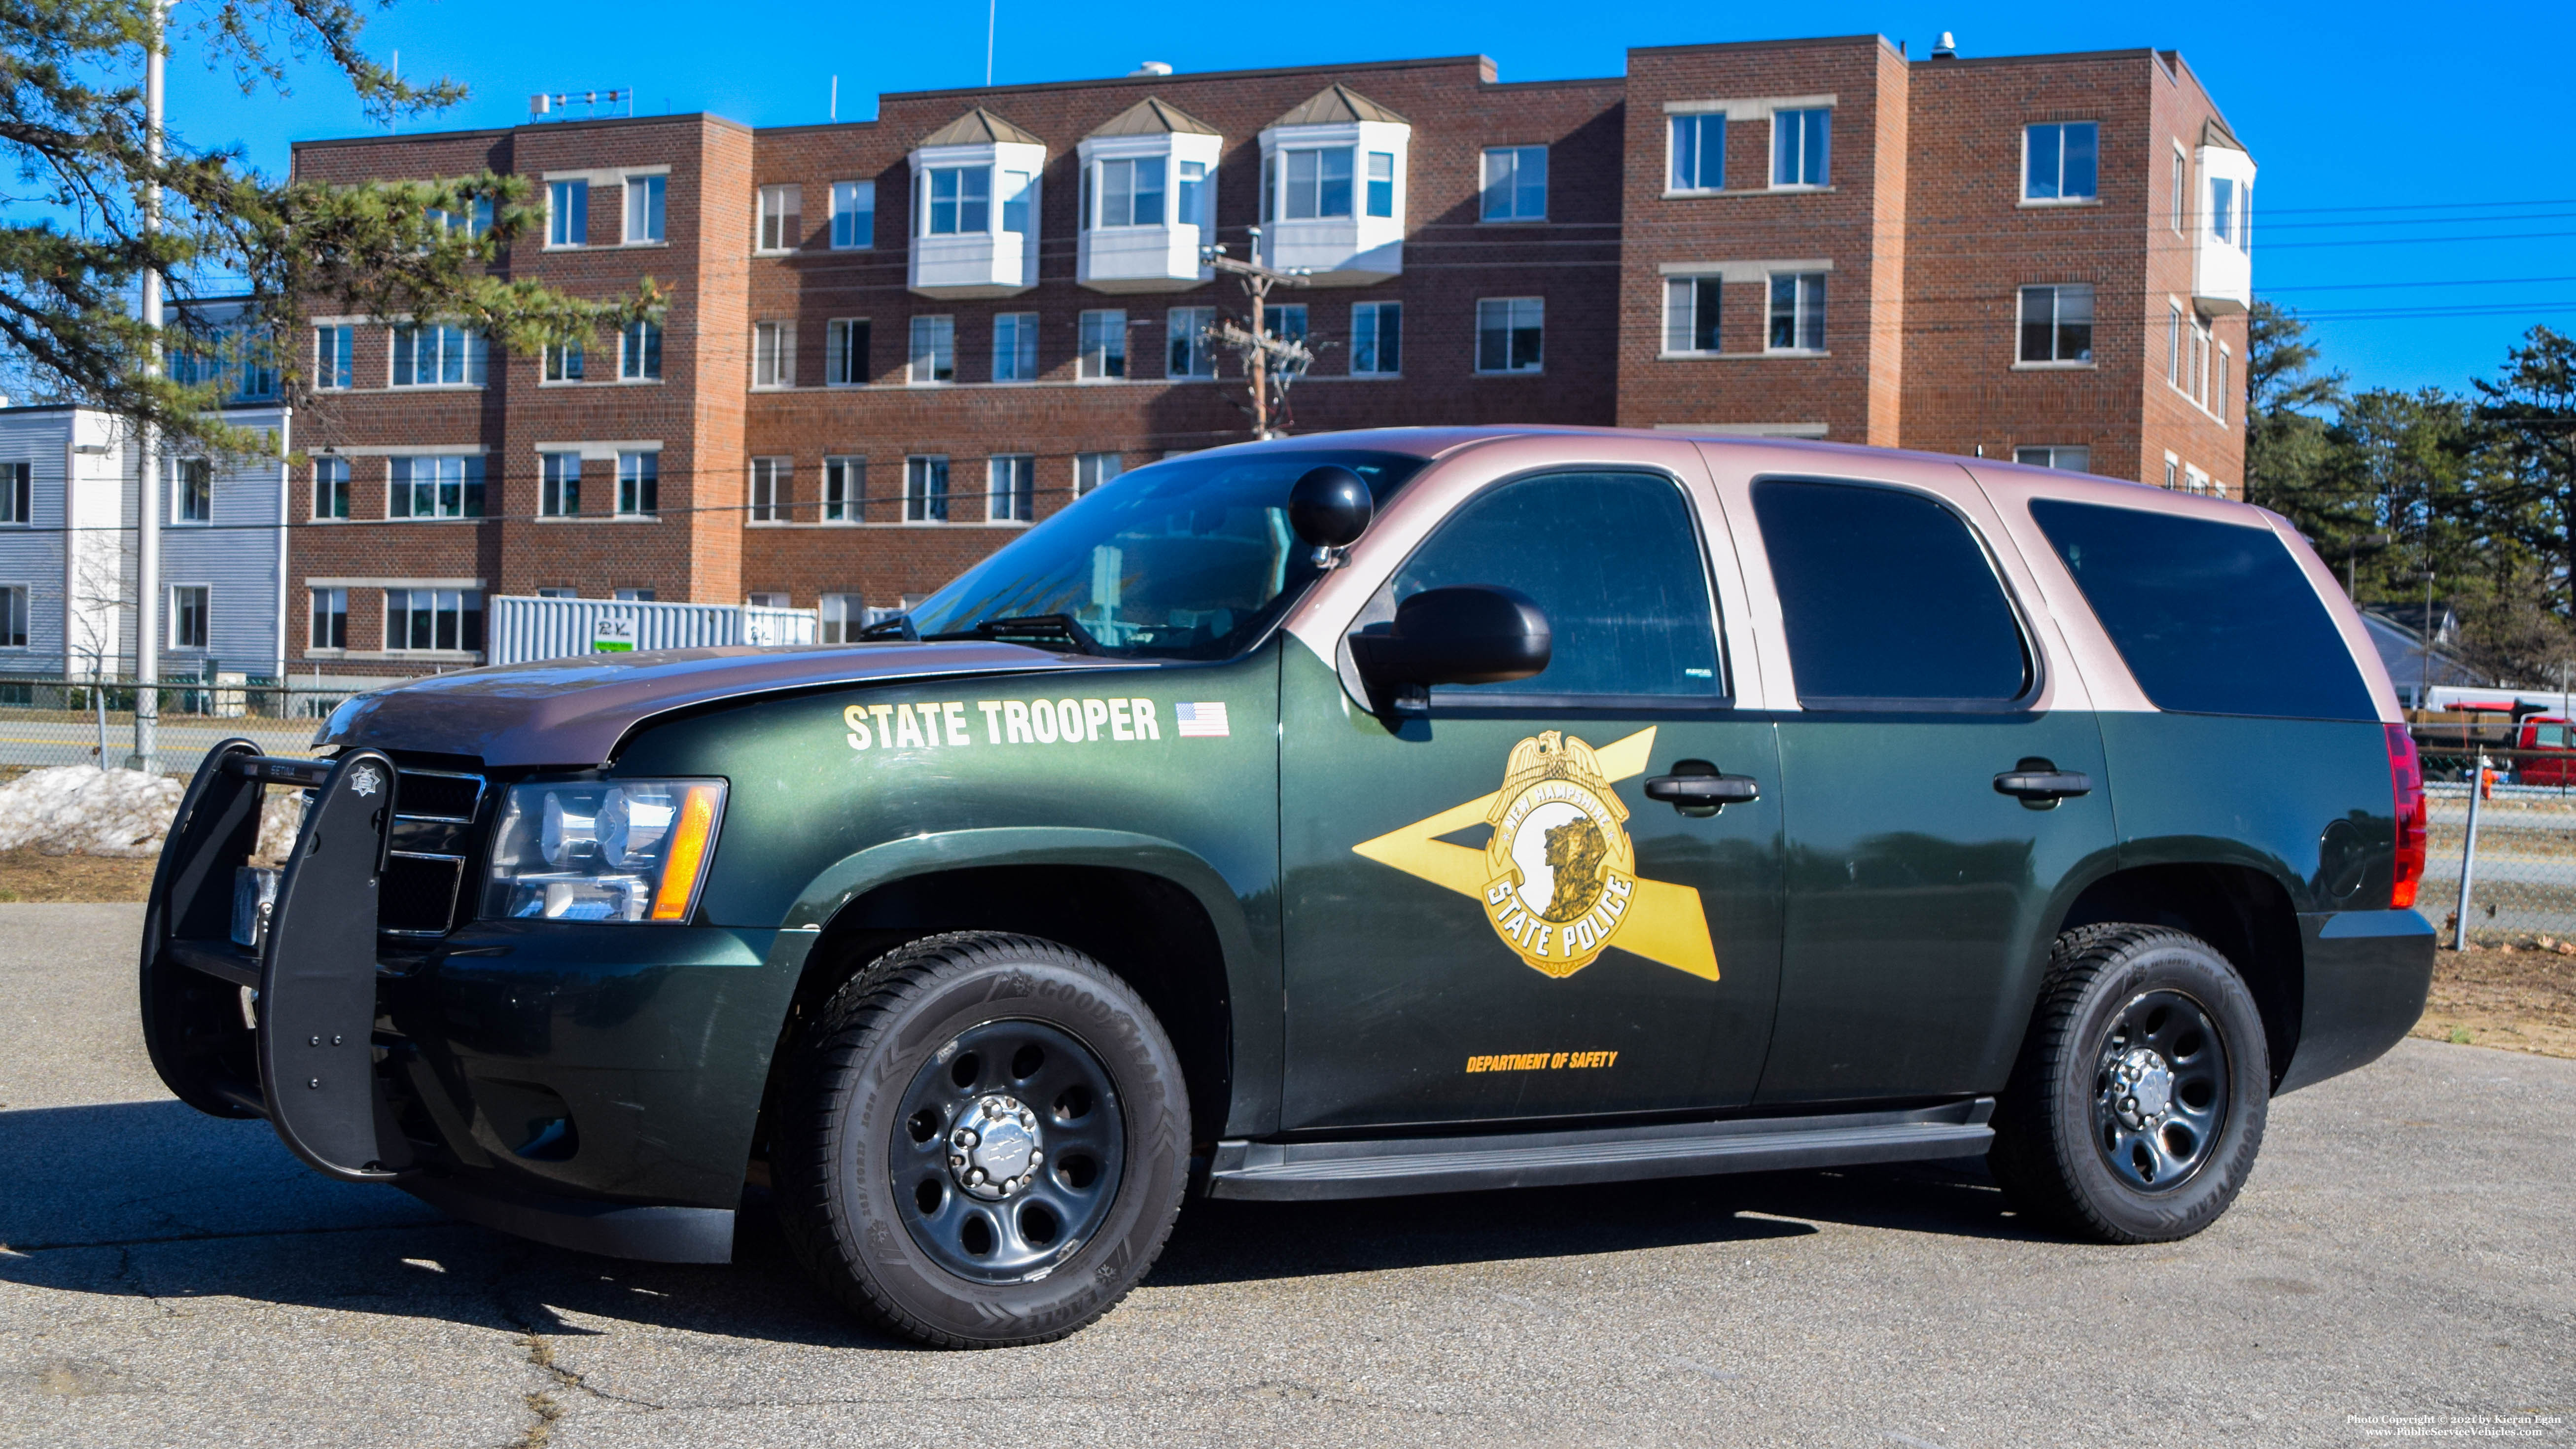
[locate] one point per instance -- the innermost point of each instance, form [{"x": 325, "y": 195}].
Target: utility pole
[
  {"x": 2424, "y": 683},
  {"x": 1271, "y": 363},
  {"x": 147, "y": 447}
]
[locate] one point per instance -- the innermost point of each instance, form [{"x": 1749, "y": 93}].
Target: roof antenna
[
  {"x": 992, "y": 12},
  {"x": 1945, "y": 48}
]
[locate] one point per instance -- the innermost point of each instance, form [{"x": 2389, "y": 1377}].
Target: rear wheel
[
  {"x": 984, "y": 1141},
  {"x": 2139, "y": 1101}
]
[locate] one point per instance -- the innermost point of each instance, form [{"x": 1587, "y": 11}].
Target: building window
[
  {"x": 13, "y": 617},
  {"x": 1516, "y": 183},
  {"x": 558, "y": 592},
  {"x": 1011, "y": 488},
  {"x": 1799, "y": 142},
  {"x": 639, "y": 352},
  {"x": 632, "y": 595},
  {"x": 1797, "y": 312},
  {"x": 1317, "y": 183},
  {"x": 1699, "y": 153},
  {"x": 854, "y": 215},
  {"x": 437, "y": 487},
  {"x": 1690, "y": 314},
  {"x": 2057, "y": 324},
  {"x": 188, "y": 616},
  {"x": 2061, "y": 161},
  {"x": 766, "y": 601},
  {"x": 960, "y": 200},
  {"x": 773, "y": 354},
  {"x": 1103, "y": 344},
  {"x": 568, "y": 214},
  {"x": 843, "y": 617},
  {"x": 1381, "y": 183},
  {"x": 439, "y": 356},
  {"x": 1186, "y": 352},
  {"x": 845, "y": 352},
  {"x": 925, "y": 489},
  {"x": 769, "y": 490},
  {"x": 934, "y": 349},
  {"x": 1128, "y": 193},
  {"x": 782, "y": 217},
  {"x": 330, "y": 619},
  {"x": 644, "y": 208},
  {"x": 2181, "y": 179},
  {"x": 2173, "y": 346},
  {"x": 1285, "y": 321},
  {"x": 2063, "y": 459},
  {"x": 330, "y": 488},
  {"x": 2218, "y": 386},
  {"x": 639, "y": 485},
  {"x": 845, "y": 489},
  {"x": 1377, "y": 339},
  {"x": 192, "y": 490},
  {"x": 563, "y": 362},
  {"x": 1509, "y": 331},
  {"x": 2172, "y": 466},
  {"x": 17, "y": 494},
  {"x": 333, "y": 366},
  {"x": 558, "y": 484},
  {"x": 450, "y": 620},
  {"x": 475, "y": 220},
  {"x": 1015, "y": 346},
  {"x": 1191, "y": 207},
  {"x": 2222, "y": 210},
  {"x": 1090, "y": 470}
]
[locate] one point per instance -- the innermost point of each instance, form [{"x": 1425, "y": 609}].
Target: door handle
[
  {"x": 2039, "y": 784},
  {"x": 1696, "y": 787}
]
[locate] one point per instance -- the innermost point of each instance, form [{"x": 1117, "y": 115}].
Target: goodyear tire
[
  {"x": 2137, "y": 1106},
  {"x": 984, "y": 1141}
]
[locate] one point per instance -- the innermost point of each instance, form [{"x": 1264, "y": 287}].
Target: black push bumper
[{"x": 317, "y": 1045}]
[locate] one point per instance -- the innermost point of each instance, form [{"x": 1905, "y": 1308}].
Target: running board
[{"x": 1306, "y": 1171}]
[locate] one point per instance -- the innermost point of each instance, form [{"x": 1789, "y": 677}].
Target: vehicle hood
[{"x": 575, "y": 712}]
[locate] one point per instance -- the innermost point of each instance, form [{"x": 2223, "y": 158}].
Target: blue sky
[{"x": 2418, "y": 186}]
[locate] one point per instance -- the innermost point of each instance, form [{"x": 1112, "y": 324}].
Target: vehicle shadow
[{"x": 153, "y": 1199}]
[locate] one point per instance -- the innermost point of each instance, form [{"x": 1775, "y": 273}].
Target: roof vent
[
  {"x": 1153, "y": 67},
  {"x": 1945, "y": 48}
]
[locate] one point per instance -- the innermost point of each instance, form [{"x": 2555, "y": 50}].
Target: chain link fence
[
  {"x": 2521, "y": 864},
  {"x": 54, "y": 720}
]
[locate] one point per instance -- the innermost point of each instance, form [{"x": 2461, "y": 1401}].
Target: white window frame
[
  {"x": 839, "y": 618},
  {"x": 845, "y": 365},
  {"x": 472, "y": 499},
  {"x": 1287, "y": 160},
  {"x": 773, "y": 355},
  {"x": 1110, "y": 208},
  {"x": 646, "y": 222},
  {"x": 2059, "y": 293},
  {"x": 1015, "y": 347},
  {"x": 1379, "y": 314},
  {"x": 335, "y": 363},
  {"x": 1803, "y": 313},
  {"x": 1095, "y": 358},
  {"x": 472, "y": 353},
  {"x": 845, "y": 489},
  {"x": 1699, "y": 183},
  {"x": 1091, "y": 470},
  {"x": 847, "y": 236},
  {"x": 561, "y": 217},
  {"x": 634, "y": 470},
  {"x": 933, "y": 337},
  {"x": 927, "y": 489},
  {"x": 959, "y": 204},
  {"x": 1185, "y": 337},
  {"x": 181, "y": 471},
  {"x": 2173, "y": 470},
  {"x": 326, "y": 604},
  {"x": 1824, "y": 165},
  {"x": 1512, "y": 186},
  {"x": 771, "y": 493},
  {"x": 2090, "y": 198},
  {"x": 636, "y": 362},
  {"x": 2181, "y": 200},
  {"x": 555, "y": 468},
  {"x": 2050, "y": 455},
  {"x": 330, "y": 479},
  {"x": 562, "y": 364},
  {"x": 1011, "y": 489},
  {"x": 1681, "y": 313},
  {"x": 780, "y": 219},
  {"x": 450, "y": 602},
  {"x": 205, "y": 597},
  {"x": 1513, "y": 312}
]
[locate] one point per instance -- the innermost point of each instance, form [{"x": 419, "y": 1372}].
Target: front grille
[{"x": 436, "y": 828}]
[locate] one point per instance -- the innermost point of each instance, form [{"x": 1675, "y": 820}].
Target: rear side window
[
  {"x": 1889, "y": 600},
  {"x": 1613, "y": 561},
  {"x": 2211, "y": 618}
]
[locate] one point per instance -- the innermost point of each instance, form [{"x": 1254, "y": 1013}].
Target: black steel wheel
[
  {"x": 982, "y": 1141},
  {"x": 2139, "y": 1100},
  {"x": 1008, "y": 1151}
]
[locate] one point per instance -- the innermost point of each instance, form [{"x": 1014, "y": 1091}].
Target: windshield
[{"x": 1191, "y": 558}]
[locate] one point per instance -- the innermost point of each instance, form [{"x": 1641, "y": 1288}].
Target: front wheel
[
  {"x": 984, "y": 1141},
  {"x": 2135, "y": 1111}
]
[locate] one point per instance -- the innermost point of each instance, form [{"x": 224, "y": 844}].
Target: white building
[{"x": 68, "y": 543}]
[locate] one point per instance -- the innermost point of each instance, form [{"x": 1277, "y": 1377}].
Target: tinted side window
[
  {"x": 2213, "y": 618},
  {"x": 1887, "y": 597},
  {"x": 1613, "y": 560}
]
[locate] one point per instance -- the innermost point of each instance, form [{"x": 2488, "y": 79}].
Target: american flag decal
[{"x": 1201, "y": 721}]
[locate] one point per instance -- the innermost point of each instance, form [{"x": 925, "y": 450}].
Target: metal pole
[
  {"x": 992, "y": 13},
  {"x": 147, "y": 600},
  {"x": 285, "y": 511},
  {"x": 2424, "y": 685},
  {"x": 2468, "y": 853}
]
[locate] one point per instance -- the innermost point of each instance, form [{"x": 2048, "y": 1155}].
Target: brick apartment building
[{"x": 894, "y": 341}]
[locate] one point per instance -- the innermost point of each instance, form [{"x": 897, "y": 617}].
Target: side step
[{"x": 1307, "y": 1171}]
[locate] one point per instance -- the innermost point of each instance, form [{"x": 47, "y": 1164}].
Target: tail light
[{"x": 2406, "y": 782}]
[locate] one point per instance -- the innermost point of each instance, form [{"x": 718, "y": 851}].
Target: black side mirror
[
  {"x": 1466, "y": 634},
  {"x": 1330, "y": 508}
]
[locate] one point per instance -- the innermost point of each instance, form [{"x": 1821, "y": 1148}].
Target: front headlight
[{"x": 625, "y": 850}]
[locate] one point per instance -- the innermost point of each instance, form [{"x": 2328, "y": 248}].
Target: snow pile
[{"x": 84, "y": 810}]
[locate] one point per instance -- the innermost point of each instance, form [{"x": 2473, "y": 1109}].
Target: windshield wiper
[
  {"x": 1063, "y": 627},
  {"x": 898, "y": 627}
]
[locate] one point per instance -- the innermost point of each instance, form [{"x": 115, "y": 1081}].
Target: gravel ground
[{"x": 2403, "y": 1251}]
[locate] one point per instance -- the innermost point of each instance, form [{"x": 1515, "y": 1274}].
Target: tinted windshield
[{"x": 1188, "y": 559}]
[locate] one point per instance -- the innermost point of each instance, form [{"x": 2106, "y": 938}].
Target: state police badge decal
[{"x": 1560, "y": 869}]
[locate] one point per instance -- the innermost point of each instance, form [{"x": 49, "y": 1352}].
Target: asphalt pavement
[{"x": 2403, "y": 1265}]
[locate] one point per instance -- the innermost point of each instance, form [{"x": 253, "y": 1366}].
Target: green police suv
[{"x": 1394, "y": 812}]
